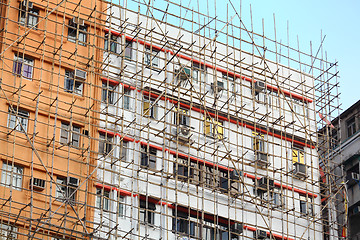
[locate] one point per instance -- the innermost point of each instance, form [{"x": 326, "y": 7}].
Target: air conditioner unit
[
  {"x": 260, "y": 86},
  {"x": 73, "y": 181},
  {"x": 235, "y": 174},
  {"x": 30, "y": 4},
  {"x": 184, "y": 74},
  {"x": 183, "y": 133},
  {"x": 217, "y": 86},
  {"x": 237, "y": 228},
  {"x": 37, "y": 184},
  {"x": 260, "y": 234},
  {"x": 78, "y": 21},
  {"x": 261, "y": 158},
  {"x": 264, "y": 182},
  {"x": 356, "y": 210},
  {"x": 300, "y": 170},
  {"x": 80, "y": 74}
]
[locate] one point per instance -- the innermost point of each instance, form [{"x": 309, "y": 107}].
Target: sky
[{"x": 337, "y": 21}]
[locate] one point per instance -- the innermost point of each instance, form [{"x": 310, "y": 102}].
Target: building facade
[
  {"x": 345, "y": 144},
  {"x": 129, "y": 121}
]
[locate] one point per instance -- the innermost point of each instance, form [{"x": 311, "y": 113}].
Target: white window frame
[
  {"x": 70, "y": 136},
  {"x": 21, "y": 62},
  {"x": 12, "y": 176},
  {"x": 103, "y": 199},
  {"x": 151, "y": 58},
  {"x": 7, "y": 232},
  {"x": 14, "y": 122},
  {"x": 65, "y": 191},
  {"x": 73, "y": 84}
]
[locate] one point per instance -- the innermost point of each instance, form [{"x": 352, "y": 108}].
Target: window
[
  {"x": 182, "y": 117},
  {"x": 264, "y": 97},
  {"x": 198, "y": 73},
  {"x": 66, "y": 189},
  {"x": 121, "y": 206},
  {"x": 211, "y": 177},
  {"x": 70, "y": 134},
  {"x": 77, "y": 31},
  {"x": 213, "y": 128},
  {"x": 185, "y": 224},
  {"x": 23, "y": 66},
  {"x": 151, "y": 57},
  {"x": 108, "y": 93},
  {"x": 334, "y": 140},
  {"x": 11, "y": 176},
  {"x": 298, "y": 107},
  {"x": 306, "y": 206},
  {"x": 272, "y": 197},
  {"x": 128, "y": 49},
  {"x": 127, "y": 98},
  {"x": 28, "y": 15},
  {"x": 258, "y": 142},
  {"x": 298, "y": 155},
  {"x": 150, "y": 108},
  {"x": 105, "y": 143},
  {"x": 123, "y": 150},
  {"x": 73, "y": 84},
  {"x": 147, "y": 214},
  {"x": 102, "y": 199},
  {"x": 22, "y": 119},
  {"x": 182, "y": 170},
  {"x": 110, "y": 43},
  {"x": 148, "y": 157},
  {"x": 7, "y": 232},
  {"x": 351, "y": 127}
]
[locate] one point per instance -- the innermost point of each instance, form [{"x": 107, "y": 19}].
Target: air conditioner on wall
[
  {"x": 259, "y": 86},
  {"x": 37, "y": 184},
  {"x": 78, "y": 21},
  {"x": 237, "y": 228},
  {"x": 80, "y": 74},
  {"x": 218, "y": 85},
  {"x": 183, "y": 74},
  {"x": 264, "y": 182},
  {"x": 73, "y": 181},
  {"x": 183, "y": 133},
  {"x": 261, "y": 158},
  {"x": 300, "y": 170},
  {"x": 260, "y": 234}
]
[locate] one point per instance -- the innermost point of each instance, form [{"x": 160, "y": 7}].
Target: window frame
[
  {"x": 66, "y": 190},
  {"x": 298, "y": 155},
  {"x": 153, "y": 112},
  {"x": 103, "y": 199},
  {"x": 26, "y": 14},
  {"x": 258, "y": 142},
  {"x": 113, "y": 46},
  {"x": 213, "y": 128},
  {"x": 77, "y": 33},
  {"x": 148, "y": 157},
  {"x": 106, "y": 144},
  {"x": 8, "y": 231},
  {"x": 351, "y": 126},
  {"x": 71, "y": 134},
  {"x": 126, "y": 98},
  {"x": 23, "y": 117},
  {"x": 182, "y": 117},
  {"x": 147, "y": 212},
  {"x": 73, "y": 84},
  {"x": 14, "y": 173},
  {"x": 128, "y": 49},
  {"x": 108, "y": 93},
  {"x": 306, "y": 206},
  {"x": 22, "y": 63},
  {"x": 151, "y": 57}
]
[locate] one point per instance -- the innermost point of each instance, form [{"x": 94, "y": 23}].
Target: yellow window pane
[
  {"x": 295, "y": 157},
  {"x": 220, "y": 132},
  {"x": 146, "y": 106},
  {"x": 301, "y": 157},
  {"x": 207, "y": 127}
]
